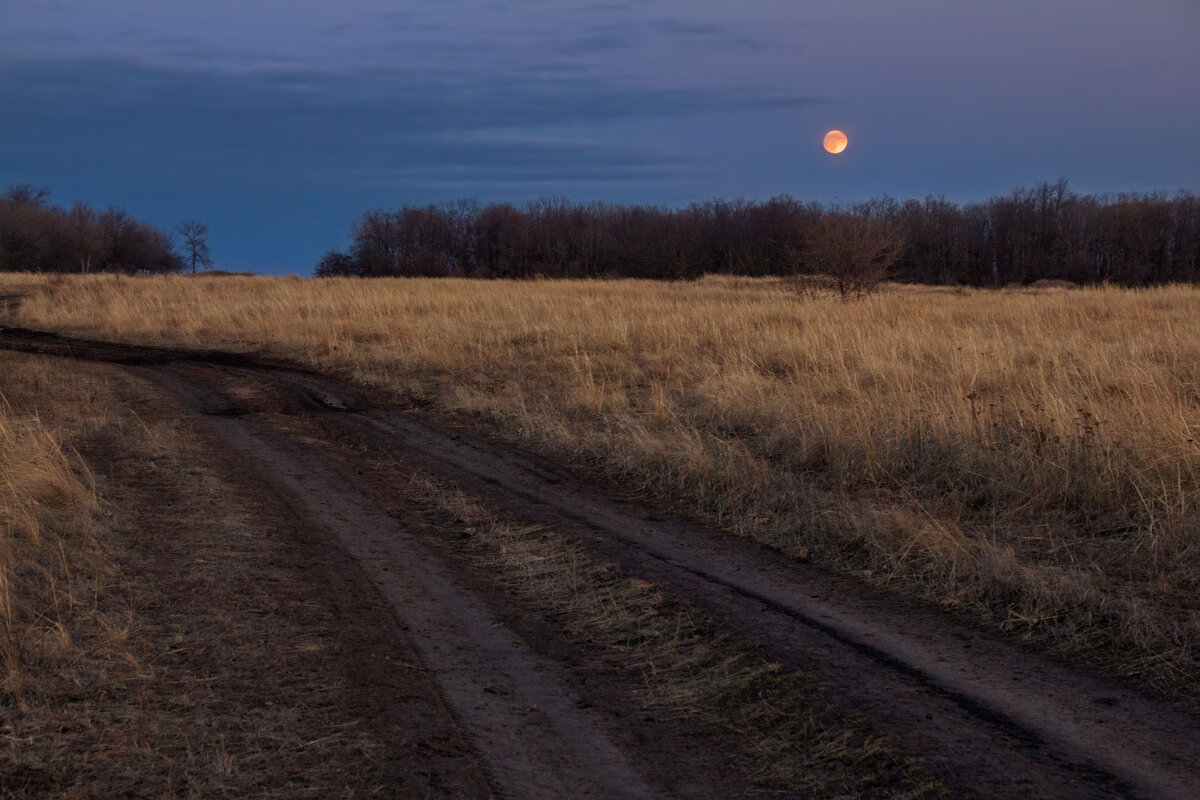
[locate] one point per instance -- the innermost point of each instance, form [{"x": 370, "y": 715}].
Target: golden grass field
[{"x": 1026, "y": 457}]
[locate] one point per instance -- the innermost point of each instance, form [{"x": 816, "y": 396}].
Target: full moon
[{"x": 836, "y": 141}]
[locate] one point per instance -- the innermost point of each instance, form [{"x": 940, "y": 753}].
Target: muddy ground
[{"x": 458, "y": 684}]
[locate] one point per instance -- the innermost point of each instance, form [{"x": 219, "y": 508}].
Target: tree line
[
  {"x": 1046, "y": 232},
  {"x": 37, "y": 236}
]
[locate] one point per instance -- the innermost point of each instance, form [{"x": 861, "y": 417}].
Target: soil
[{"x": 985, "y": 714}]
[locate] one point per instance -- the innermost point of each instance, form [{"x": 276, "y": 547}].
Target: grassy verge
[
  {"x": 58, "y": 606},
  {"x": 67, "y": 610},
  {"x": 1028, "y": 458}
]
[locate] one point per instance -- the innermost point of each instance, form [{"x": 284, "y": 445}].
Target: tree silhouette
[
  {"x": 1044, "y": 233},
  {"x": 195, "y": 242},
  {"x": 856, "y": 250}
]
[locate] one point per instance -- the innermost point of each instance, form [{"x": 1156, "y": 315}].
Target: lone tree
[
  {"x": 856, "y": 250},
  {"x": 195, "y": 242}
]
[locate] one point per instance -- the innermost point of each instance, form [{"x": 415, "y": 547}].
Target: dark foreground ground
[{"x": 356, "y": 599}]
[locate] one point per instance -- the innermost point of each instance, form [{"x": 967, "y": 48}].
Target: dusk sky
[{"x": 280, "y": 121}]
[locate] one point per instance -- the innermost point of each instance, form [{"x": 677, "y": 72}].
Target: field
[
  {"x": 1029, "y": 456},
  {"x": 1024, "y": 459}
]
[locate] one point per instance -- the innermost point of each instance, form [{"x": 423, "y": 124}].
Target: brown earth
[{"x": 527, "y": 712}]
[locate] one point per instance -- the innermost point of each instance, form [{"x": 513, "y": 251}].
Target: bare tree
[
  {"x": 83, "y": 233},
  {"x": 856, "y": 251},
  {"x": 195, "y": 242},
  {"x": 26, "y": 194}
]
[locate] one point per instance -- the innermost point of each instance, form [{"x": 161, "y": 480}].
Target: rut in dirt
[
  {"x": 535, "y": 740},
  {"x": 1004, "y": 720}
]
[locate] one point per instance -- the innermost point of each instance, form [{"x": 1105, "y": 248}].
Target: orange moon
[{"x": 836, "y": 141}]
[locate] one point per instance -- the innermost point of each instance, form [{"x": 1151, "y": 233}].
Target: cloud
[
  {"x": 234, "y": 36},
  {"x": 594, "y": 43},
  {"x": 710, "y": 34},
  {"x": 674, "y": 27},
  {"x": 520, "y": 161},
  {"x": 606, "y": 8},
  {"x": 295, "y": 125}
]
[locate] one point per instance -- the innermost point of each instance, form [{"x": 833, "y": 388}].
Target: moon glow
[{"x": 835, "y": 142}]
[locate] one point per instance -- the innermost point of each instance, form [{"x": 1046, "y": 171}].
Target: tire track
[
  {"x": 1016, "y": 722},
  {"x": 535, "y": 739}
]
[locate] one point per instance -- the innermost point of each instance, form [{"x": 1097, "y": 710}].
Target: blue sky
[{"x": 279, "y": 121}]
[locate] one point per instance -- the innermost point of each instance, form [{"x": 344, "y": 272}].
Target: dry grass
[
  {"x": 1026, "y": 456},
  {"x": 51, "y": 568}
]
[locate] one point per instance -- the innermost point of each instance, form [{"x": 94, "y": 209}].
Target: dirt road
[{"x": 986, "y": 715}]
